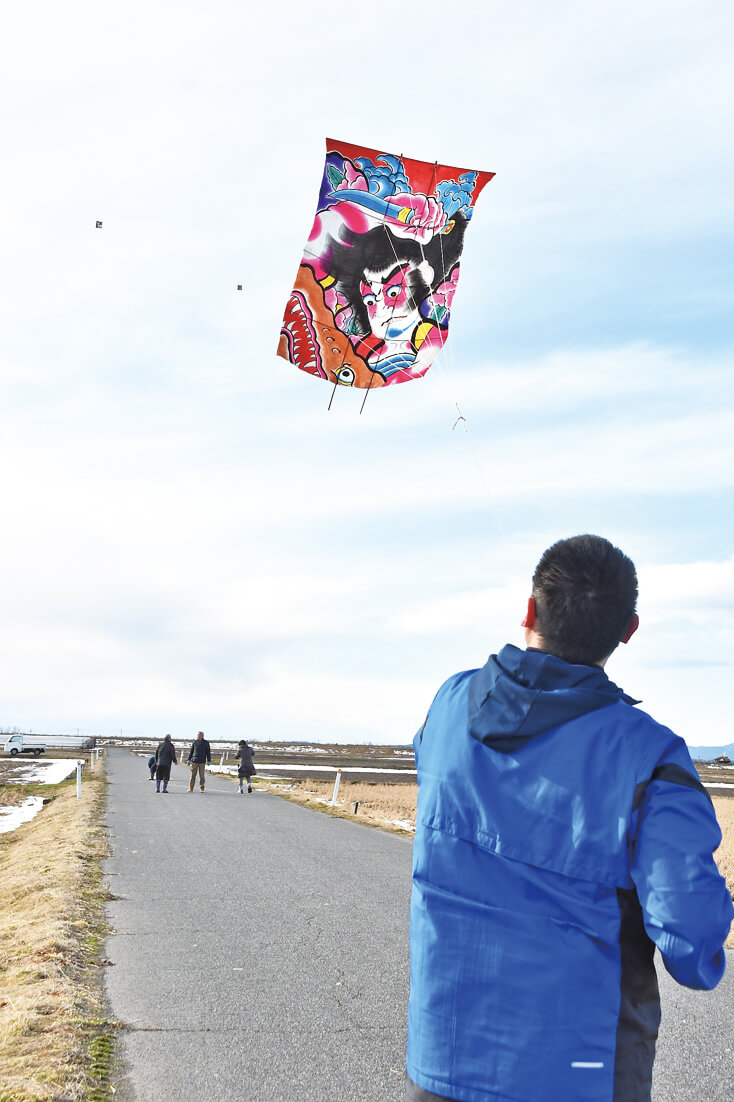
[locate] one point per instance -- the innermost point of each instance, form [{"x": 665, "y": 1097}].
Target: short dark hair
[{"x": 585, "y": 592}]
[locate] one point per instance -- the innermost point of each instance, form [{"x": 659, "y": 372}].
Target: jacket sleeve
[{"x": 686, "y": 905}]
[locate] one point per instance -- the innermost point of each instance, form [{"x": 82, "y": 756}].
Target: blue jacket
[{"x": 561, "y": 835}]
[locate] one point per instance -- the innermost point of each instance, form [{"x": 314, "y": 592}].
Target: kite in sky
[{"x": 372, "y": 299}]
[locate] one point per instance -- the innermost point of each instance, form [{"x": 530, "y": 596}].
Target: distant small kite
[
  {"x": 239, "y": 286},
  {"x": 98, "y": 225},
  {"x": 374, "y": 290}
]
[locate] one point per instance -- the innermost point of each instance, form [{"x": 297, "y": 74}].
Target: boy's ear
[
  {"x": 530, "y": 615},
  {"x": 631, "y": 628}
]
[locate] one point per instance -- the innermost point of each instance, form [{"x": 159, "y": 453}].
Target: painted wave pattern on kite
[{"x": 372, "y": 300}]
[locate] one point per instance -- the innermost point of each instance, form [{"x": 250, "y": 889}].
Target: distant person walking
[
  {"x": 246, "y": 768},
  {"x": 199, "y": 755},
  {"x": 165, "y": 757},
  {"x": 151, "y": 766}
]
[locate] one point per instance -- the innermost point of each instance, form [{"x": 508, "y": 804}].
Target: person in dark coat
[
  {"x": 151, "y": 766},
  {"x": 199, "y": 755},
  {"x": 246, "y": 768},
  {"x": 165, "y": 757}
]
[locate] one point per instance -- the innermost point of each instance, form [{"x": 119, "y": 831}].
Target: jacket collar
[{"x": 521, "y": 694}]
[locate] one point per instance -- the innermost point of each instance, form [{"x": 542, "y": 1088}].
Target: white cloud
[{"x": 186, "y": 530}]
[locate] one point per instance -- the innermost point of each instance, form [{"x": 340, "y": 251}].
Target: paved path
[
  {"x": 259, "y": 948},
  {"x": 260, "y": 955}
]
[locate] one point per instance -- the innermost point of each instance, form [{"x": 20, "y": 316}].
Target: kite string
[{"x": 443, "y": 374}]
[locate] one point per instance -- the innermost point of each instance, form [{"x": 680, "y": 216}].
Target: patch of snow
[
  {"x": 330, "y": 768},
  {"x": 13, "y": 817},
  {"x": 48, "y": 771},
  {"x": 404, "y": 824},
  {"x": 295, "y": 767},
  {"x": 304, "y": 748}
]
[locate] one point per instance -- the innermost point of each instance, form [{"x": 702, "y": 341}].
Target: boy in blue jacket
[{"x": 561, "y": 836}]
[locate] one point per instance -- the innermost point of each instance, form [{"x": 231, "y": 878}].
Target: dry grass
[
  {"x": 724, "y": 806},
  {"x": 51, "y": 924},
  {"x": 13, "y": 795},
  {"x": 384, "y": 804}
]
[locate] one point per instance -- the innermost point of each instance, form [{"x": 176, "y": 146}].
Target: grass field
[{"x": 53, "y": 1035}]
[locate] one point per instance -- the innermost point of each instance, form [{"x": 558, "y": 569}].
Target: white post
[
  {"x": 79, "y": 765},
  {"x": 221, "y": 761},
  {"x": 91, "y": 760},
  {"x": 337, "y": 780}
]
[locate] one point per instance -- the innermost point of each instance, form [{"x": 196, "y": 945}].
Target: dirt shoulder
[{"x": 54, "y": 1038}]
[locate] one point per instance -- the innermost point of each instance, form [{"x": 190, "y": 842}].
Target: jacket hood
[{"x": 520, "y": 694}]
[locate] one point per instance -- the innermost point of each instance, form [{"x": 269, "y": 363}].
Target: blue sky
[{"x": 190, "y": 539}]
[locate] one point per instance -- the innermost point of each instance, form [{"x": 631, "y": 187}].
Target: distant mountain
[{"x": 708, "y": 753}]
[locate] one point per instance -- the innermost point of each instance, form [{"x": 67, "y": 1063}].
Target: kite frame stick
[
  {"x": 369, "y": 388},
  {"x": 336, "y": 373}
]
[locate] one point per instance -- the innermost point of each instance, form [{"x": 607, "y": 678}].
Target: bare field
[{"x": 51, "y": 915}]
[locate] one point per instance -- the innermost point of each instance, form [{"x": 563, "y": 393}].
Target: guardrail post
[
  {"x": 221, "y": 761},
  {"x": 337, "y": 781},
  {"x": 79, "y": 766}
]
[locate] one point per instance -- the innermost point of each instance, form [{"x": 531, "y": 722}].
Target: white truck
[{"x": 25, "y": 744}]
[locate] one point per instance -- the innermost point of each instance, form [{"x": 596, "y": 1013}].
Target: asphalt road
[
  {"x": 259, "y": 948},
  {"x": 260, "y": 953}
]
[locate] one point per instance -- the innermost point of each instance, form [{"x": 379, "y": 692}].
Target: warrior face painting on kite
[{"x": 372, "y": 299}]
